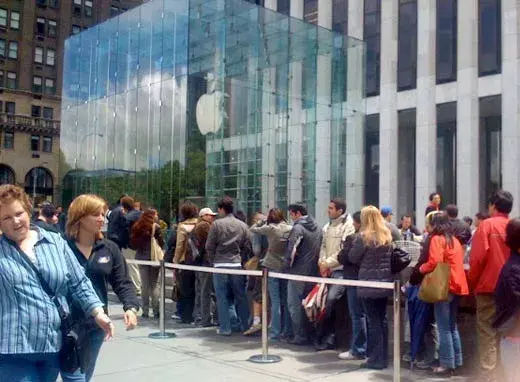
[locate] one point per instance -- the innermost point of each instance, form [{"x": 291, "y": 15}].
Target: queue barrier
[{"x": 265, "y": 357}]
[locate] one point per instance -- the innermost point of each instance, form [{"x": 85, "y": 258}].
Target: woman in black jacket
[
  {"x": 373, "y": 253},
  {"x": 103, "y": 263}
]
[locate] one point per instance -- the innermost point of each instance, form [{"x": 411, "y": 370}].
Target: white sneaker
[{"x": 348, "y": 356}]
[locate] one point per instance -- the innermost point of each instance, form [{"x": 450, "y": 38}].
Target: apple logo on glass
[{"x": 210, "y": 111}]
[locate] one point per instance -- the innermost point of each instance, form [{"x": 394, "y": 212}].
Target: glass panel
[
  {"x": 446, "y": 43},
  {"x": 372, "y": 160},
  {"x": 489, "y": 37},
  {"x": 407, "y": 45},
  {"x": 447, "y": 152},
  {"x": 372, "y": 37}
]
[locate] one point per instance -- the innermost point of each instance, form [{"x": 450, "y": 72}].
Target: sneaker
[
  {"x": 349, "y": 356},
  {"x": 175, "y": 317},
  {"x": 221, "y": 333},
  {"x": 406, "y": 358},
  {"x": 253, "y": 330}
]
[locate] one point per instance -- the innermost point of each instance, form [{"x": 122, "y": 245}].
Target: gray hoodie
[
  {"x": 277, "y": 235},
  {"x": 304, "y": 246}
]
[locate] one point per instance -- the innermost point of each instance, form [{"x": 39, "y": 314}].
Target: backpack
[{"x": 194, "y": 249}]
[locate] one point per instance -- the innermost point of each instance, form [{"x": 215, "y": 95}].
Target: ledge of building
[{"x": 29, "y": 124}]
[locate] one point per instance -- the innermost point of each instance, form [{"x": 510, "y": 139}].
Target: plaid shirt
[{"x": 29, "y": 320}]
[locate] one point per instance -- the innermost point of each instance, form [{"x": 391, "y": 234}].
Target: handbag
[
  {"x": 435, "y": 286},
  {"x": 156, "y": 252},
  {"x": 252, "y": 264},
  {"x": 400, "y": 259},
  {"x": 72, "y": 333}
]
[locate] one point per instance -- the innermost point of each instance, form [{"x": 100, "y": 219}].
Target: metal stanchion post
[
  {"x": 397, "y": 331},
  {"x": 264, "y": 357},
  {"x": 162, "y": 283}
]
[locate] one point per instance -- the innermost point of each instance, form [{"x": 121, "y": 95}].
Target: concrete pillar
[
  {"x": 467, "y": 108},
  {"x": 426, "y": 131},
  {"x": 511, "y": 100},
  {"x": 355, "y": 168},
  {"x": 271, "y": 4},
  {"x": 388, "y": 127}
]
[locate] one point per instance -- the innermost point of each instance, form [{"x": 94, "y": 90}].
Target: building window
[
  {"x": 2, "y": 48},
  {"x": 13, "y": 50},
  {"x": 446, "y": 41},
  {"x": 407, "y": 121},
  {"x": 48, "y": 113},
  {"x": 284, "y": 7},
  {"x": 41, "y": 2},
  {"x": 372, "y": 36},
  {"x": 372, "y": 159},
  {"x": 38, "y": 55},
  {"x": 36, "y": 111},
  {"x": 446, "y": 171},
  {"x": 340, "y": 16},
  {"x": 8, "y": 140},
  {"x": 407, "y": 45},
  {"x": 49, "y": 86},
  {"x": 1, "y": 83},
  {"x": 15, "y": 20},
  {"x": 76, "y": 29},
  {"x": 37, "y": 84},
  {"x": 52, "y": 30},
  {"x": 310, "y": 11},
  {"x": 114, "y": 11},
  {"x": 88, "y": 8},
  {"x": 35, "y": 143},
  {"x": 3, "y": 17},
  {"x": 490, "y": 152},
  {"x": 11, "y": 80},
  {"x": 54, "y": 3},
  {"x": 51, "y": 57},
  {"x": 77, "y": 7},
  {"x": 47, "y": 144},
  {"x": 10, "y": 108},
  {"x": 40, "y": 26},
  {"x": 489, "y": 38}
]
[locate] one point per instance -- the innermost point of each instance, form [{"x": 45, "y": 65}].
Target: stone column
[
  {"x": 271, "y": 4},
  {"x": 511, "y": 100},
  {"x": 426, "y": 131},
  {"x": 388, "y": 130},
  {"x": 354, "y": 111},
  {"x": 467, "y": 108}
]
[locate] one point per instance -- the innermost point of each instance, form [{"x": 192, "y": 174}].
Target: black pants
[
  {"x": 377, "y": 322},
  {"x": 187, "y": 298}
]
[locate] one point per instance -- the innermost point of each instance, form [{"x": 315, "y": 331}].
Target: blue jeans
[
  {"x": 96, "y": 337},
  {"x": 510, "y": 355},
  {"x": 450, "y": 347},
  {"x": 237, "y": 285},
  {"x": 37, "y": 367},
  {"x": 295, "y": 295},
  {"x": 377, "y": 322},
  {"x": 358, "y": 343},
  {"x": 277, "y": 295}
]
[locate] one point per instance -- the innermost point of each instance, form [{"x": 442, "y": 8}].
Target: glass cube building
[{"x": 196, "y": 99}]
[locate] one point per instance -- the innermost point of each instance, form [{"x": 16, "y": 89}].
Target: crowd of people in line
[{"x": 55, "y": 273}]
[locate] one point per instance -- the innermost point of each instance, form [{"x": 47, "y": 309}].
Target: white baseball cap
[{"x": 206, "y": 211}]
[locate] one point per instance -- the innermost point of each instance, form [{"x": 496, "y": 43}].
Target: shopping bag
[{"x": 435, "y": 286}]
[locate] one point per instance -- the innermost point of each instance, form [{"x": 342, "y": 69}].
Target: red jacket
[
  {"x": 489, "y": 253},
  {"x": 454, "y": 256}
]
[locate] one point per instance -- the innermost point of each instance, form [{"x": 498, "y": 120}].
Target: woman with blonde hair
[
  {"x": 372, "y": 252},
  {"x": 103, "y": 263},
  {"x": 39, "y": 275}
]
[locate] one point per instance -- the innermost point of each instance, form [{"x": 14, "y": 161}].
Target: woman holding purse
[
  {"x": 103, "y": 263},
  {"x": 445, "y": 248},
  {"x": 143, "y": 231}
]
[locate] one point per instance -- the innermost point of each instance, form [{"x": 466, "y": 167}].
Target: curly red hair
[{"x": 142, "y": 229}]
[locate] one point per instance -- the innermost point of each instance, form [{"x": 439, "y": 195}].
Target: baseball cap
[
  {"x": 386, "y": 210},
  {"x": 206, "y": 211}
]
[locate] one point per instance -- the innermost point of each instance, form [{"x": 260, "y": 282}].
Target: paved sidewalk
[{"x": 200, "y": 354}]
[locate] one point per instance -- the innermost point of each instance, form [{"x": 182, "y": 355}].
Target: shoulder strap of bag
[{"x": 47, "y": 289}]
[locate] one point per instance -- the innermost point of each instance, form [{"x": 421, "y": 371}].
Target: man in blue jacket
[{"x": 303, "y": 251}]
